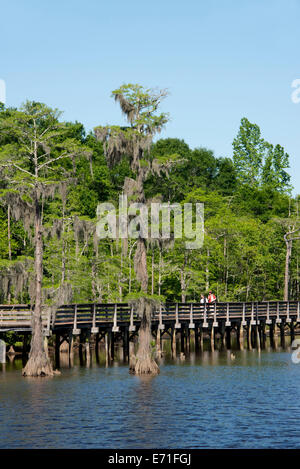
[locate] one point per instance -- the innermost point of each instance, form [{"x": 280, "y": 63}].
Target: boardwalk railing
[{"x": 18, "y": 317}]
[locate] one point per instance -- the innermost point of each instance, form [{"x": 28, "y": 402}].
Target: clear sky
[{"x": 221, "y": 60}]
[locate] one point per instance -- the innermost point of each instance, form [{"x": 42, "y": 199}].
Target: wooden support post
[
  {"x": 263, "y": 334},
  {"x": 187, "y": 338},
  {"x": 158, "y": 342},
  {"x": 97, "y": 344},
  {"x": 228, "y": 338},
  {"x": 274, "y": 335},
  {"x": 257, "y": 339},
  {"x": 88, "y": 348},
  {"x": 71, "y": 344},
  {"x": 81, "y": 347},
  {"x": 112, "y": 345},
  {"x": 292, "y": 329},
  {"x": 108, "y": 345},
  {"x": 126, "y": 344},
  {"x": 212, "y": 338},
  {"x": 223, "y": 334},
  {"x": 174, "y": 342},
  {"x": 240, "y": 335},
  {"x": 249, "y": 335},
  {"x": 57, "y": 347},
  {"x": 201, "y": 339},
  {"x": 182, "y": 338},
  {"x": 196, "y": 338},
  {"x": 282, "y": 335},
  {"x": 131, "y": 349}
]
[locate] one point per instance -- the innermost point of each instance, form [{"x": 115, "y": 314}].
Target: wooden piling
[
  {"x": 126, "y": 344},
  {"x": 228, "y": 338},
  {"x": 158, "y": 342},
  {"x": 212, "y": 338},
  {"x": 282, "y": 336},
  {"x": 257, "y": 338},
  {"x": 249, "y": 335},
  {"x": 173, "y": 344},
  {"x": 112, "y": 345},
  {"x": 188, "y": 338},
  {"x": 240, "y": 336},
  {"x": 57, "y": 350},
  {"x": 182, "y": 339},
  {"x": 81, "y": 347}
]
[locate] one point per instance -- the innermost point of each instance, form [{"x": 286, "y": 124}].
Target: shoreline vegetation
[{"x": 53, "y": 176}]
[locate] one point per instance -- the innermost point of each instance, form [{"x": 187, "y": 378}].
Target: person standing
[
  {"x": 211, "y": 297},
  {"x": 203, "y": 299},
  {"x": 211, "y": 300}
]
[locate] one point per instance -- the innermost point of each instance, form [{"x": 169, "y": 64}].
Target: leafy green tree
[
  {"x": 139, "y": 106},
  {"x": 33, "y": 145}
]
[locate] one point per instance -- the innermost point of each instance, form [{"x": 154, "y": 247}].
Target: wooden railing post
[
  {"x": 215, "y": 323},
  {"x": 191, "y": 324},
  {"x": 288, "y": 319},
  {"x": 115, "y": 326},
  {"x": 95, "y": 329},
  {"x": 252, "y": 321},
  {"x": 278, "y": 320},
  {"x": 205, "y": 323},
  {"x": 161, "y": 326},
  {"x": 227, "y": 323},
  {"x": 244, "y": 322},
  {"x": 75, "y": 330},
  {"x": 132, "y": 327},
  {"x": 268, "y": 320},
  {"x": 177, "y": 323}
]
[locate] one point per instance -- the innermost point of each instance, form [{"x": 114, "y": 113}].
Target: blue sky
[{"x": 220, "y": 60}]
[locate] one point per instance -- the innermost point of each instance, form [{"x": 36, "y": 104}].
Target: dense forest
[{"x": 250, "y": 252}]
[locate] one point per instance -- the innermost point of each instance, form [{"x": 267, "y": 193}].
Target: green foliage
[
  {"x": 243, "y": 253},
  {"x": 258, "y": 162}
]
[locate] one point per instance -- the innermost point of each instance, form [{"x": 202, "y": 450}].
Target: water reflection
[{"x": 206, "y": 399}]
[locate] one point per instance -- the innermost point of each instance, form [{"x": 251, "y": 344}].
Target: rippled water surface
[{"x": 206, "y": 401}]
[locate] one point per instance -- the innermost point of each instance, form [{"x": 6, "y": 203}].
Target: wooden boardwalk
[
  {"x": 181, "y": 323},
  {"x": 116, "y": 315}
]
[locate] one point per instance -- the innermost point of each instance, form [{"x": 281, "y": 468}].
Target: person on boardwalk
[
  {"x": 203, "y": 299},
  {"x": 211, "y": 300}
]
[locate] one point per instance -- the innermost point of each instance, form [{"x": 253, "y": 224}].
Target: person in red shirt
[{"x": 211, "y": 297}]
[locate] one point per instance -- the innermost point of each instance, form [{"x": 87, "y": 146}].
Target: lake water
[{"x": 207, "y": 401}]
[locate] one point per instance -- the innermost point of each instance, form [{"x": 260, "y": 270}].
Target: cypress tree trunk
[
  {"x": 144, "y": 362},
  {"x": 38, "y": 364}
]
